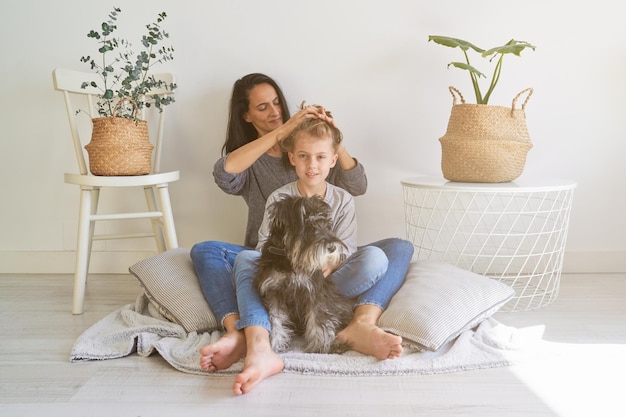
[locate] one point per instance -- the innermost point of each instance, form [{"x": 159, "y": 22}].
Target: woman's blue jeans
[{"x": 214, "y": 264}]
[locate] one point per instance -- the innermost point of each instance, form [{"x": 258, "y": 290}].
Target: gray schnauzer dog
[{"x": 299, "y": 299}]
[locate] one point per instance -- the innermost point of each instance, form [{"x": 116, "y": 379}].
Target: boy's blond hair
[{"x": 316, "y": 128}]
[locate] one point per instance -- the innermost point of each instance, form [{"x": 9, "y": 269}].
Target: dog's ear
[
  {"x": 317, "y": 210},
  {"x": 286, "y": 212},
  {"x": 276, "y": 216}
]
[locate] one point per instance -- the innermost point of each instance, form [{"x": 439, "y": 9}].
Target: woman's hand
[
  {"x": 322, "y": 113},
  {"x": 305, "y": 112}
]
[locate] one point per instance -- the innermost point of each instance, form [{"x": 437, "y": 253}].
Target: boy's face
[{"x": 312, "y": 157}]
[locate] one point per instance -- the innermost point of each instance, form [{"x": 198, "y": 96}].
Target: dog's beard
[{"x": 307, "y": 257}]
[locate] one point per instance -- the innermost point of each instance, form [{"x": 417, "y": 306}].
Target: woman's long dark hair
[{"x": 240, "y": 132}]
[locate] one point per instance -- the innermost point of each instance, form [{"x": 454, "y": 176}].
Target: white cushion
[
  {"x": 439, "y": 301},
  {"x": 172, "y": 286}
]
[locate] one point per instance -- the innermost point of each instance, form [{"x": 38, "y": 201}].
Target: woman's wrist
[{"x": 346, "y": 161}]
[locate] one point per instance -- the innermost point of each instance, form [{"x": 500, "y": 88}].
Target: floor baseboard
[{"x": 62, "y": 262}]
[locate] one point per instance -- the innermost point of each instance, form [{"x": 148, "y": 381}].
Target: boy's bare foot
[
  {"x": 364, "y": 336},
  {"x": 224, "y": 353},
  {"x": 261, "y": 361},
  {"x": 369, "y": 339}
]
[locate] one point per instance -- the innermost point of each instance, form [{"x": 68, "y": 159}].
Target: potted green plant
[
  {"x": 511, "y": 47},
  {"x": 125, "y": 73},
  {"x": 484, "y": 143},
  {"x": 120, "y": 143}
]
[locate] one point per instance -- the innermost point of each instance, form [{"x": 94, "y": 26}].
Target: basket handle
[
  {"x": 133, "y": 102},
  {"x": 530, "y": 93},
  {"x": 453, "y": 90}
]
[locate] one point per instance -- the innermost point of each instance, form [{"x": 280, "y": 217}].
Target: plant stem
[
  {"x": 104, "y": 72},
  {"x": 474, "y": 79},
  {"x": 494, "y": 79}
]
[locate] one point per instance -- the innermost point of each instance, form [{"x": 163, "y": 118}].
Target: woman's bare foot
[
  {"x": 261, "y": 361},
  {"x": 227, "y": 350},
  {"x": 224, "y": 353},
  {"x": 364, "y": 336}
]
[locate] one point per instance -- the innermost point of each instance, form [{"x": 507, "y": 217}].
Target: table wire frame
[{"x": 517, "y": 237}]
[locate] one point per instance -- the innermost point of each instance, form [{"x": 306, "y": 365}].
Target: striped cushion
[
  {"x": 439, "y": 301},
  {"x": 171, "y": 285}
]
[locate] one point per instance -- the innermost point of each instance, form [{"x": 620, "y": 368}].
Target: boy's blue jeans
[
  {"x": 214, "y": 264},
  {"x": 355, "y": 276}
]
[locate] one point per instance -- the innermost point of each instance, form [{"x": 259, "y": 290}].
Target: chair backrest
[{"x": 69, "y": 83}]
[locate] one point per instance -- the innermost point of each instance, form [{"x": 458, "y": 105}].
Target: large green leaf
[
  {"x": 464, "y": 66},
  {"x": 455, "y": 43},
  {"x": 511, "y": 47}
]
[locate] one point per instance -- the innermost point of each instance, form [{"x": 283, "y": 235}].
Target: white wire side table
[{"x": 514, "y": 232}]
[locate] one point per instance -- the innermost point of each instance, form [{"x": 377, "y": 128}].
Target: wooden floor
[{"x": 37, "y": 332}]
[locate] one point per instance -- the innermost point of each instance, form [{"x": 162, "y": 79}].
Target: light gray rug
[{"x": 139, "y": 328}]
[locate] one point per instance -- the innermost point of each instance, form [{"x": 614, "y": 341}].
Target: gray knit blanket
[{"x": 139, "y": 329}]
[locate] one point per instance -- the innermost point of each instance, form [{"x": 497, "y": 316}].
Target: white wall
[{"x": 368, "y": 61}]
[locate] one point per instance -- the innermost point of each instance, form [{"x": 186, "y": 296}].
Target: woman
[{"x": 254, "y": 166}]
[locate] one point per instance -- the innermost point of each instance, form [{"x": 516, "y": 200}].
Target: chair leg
[
  {"x": 95, "y": 198},
  {"x": 169, "y": 230},
  {"x": 83, "y": 246},
  {"x": 156, "y": 228}
]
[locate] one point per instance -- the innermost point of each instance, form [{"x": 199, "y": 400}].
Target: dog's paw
[
  {"x": 319, "y": 339},
  {"x": 339, "y": 347},
  {"x": 280, "y": 347},
  {"x": 280, "y": 341}
]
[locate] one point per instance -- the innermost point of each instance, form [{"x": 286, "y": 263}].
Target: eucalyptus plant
[
  {"x": 125, "y": 73},
  {"x": 497, "y": 53}
]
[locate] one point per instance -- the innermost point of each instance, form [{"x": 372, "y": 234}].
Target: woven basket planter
[
  {"x": 119, "y": 146},
  {"x": 485, "y": 143}
]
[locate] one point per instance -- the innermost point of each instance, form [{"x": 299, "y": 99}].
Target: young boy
[{"x": 312, "y": 149}]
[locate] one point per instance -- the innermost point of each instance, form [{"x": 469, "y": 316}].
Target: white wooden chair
[{"x": 155, "y": 184}]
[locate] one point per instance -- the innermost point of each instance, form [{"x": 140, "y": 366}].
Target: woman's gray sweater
[{"x": 269, "y": 173}]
